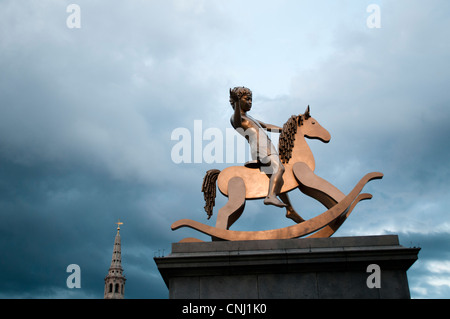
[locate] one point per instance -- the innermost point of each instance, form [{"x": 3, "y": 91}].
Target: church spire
[{"x": 115, "y": 280}]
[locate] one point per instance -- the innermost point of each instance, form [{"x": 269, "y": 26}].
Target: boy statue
[{"x": 264, "y": 154}]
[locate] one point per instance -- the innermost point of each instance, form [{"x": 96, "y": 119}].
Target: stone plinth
[{"x": 319, "y": 268}]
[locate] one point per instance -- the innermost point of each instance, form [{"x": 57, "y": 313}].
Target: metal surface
[
  {"x": 262, "y": 149},
  {"x": 292, "y": 168},
  {"x": 331, "y": 216}
]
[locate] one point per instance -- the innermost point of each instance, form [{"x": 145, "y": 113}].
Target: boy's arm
[
  {"x": 270, "y": 127},
  {"x": 236, "y": 119}
]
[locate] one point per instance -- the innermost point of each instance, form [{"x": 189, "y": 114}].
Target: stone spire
[{"x": 115, "y": 280}]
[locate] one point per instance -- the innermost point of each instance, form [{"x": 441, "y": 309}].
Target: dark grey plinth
[{"x": 317, "y": 268}]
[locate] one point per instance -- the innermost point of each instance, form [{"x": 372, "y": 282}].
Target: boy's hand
[{"x": 234, "y": 96}]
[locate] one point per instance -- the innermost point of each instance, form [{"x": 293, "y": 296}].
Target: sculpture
[
  {"x": 262, "y": 150},
  {"x": 292, "y": 168}
]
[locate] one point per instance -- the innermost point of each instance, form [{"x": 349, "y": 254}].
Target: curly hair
[
  {"x": 287, "y": 138},
  {"x": 237, "y": 93}
]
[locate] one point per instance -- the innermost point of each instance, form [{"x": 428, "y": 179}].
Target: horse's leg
[
  {"x": 233, "y": 209},
  {"x": 290, "y": 211},
  {"x": 315, "y": 186},
  {"x": 332, "y": 227}
]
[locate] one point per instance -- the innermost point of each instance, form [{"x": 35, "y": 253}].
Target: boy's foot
[
  {"x": 292, "y": 214},
  {"x": 273, "y": 200}
]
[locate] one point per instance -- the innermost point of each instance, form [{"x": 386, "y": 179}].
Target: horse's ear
[{"x": 307, "y": 113}]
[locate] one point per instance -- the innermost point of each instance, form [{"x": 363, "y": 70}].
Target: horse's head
[
  {"x": 311, "y": 128},
  {"x": 305, "y": 126}
]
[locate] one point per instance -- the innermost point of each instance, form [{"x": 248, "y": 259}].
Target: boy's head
[{"x": 237, "y": 93}]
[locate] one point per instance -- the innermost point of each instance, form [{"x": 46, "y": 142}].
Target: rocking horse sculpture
[{"x": 260, "y": 178}]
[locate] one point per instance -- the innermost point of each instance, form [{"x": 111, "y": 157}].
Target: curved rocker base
[{"x": 323, "y": 225}]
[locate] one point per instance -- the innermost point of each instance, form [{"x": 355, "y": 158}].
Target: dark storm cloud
[
  {"x": 55, "y": 216},
  {"x": 386, "y": 103},
  {"x": 112, "y": 91},
  {"x": 428, "y": 277},
  {"x": 85, "y": 140},
  {"x": 87, "y": 116}
]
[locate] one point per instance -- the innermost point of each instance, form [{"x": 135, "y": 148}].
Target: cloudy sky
[{"x": 87, "y": 114}]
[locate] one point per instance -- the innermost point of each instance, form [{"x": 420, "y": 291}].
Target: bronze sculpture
[
  {"x": 262, "y": 150},
  {"x": 292, "y": 168}
]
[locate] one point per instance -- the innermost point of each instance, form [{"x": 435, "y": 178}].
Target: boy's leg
[
  {"x": 275, "y": 171},
  {"x": 290, "y": 211}
]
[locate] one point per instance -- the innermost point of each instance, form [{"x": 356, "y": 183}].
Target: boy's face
[{"x": 246, "y": 102}]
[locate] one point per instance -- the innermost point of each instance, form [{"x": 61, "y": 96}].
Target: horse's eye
[{"x": 313, "y": 122}]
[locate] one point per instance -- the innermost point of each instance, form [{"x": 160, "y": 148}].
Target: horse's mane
[{"x": 287, "y": 138}]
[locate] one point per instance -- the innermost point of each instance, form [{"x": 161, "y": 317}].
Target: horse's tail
[{"x": 209, "y": 190}]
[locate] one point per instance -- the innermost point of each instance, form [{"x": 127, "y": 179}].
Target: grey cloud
[{"x": 86, "y": 118}]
